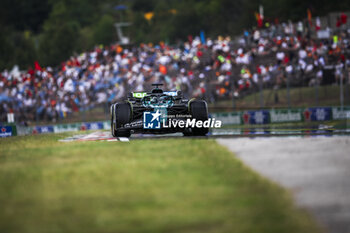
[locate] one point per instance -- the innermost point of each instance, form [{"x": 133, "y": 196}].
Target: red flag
[
  {"x": 37, "y": 66},
  {"x": 338, "y": 24},
  {"x": 309, "y": 17},
  {"x": 190, "y": 38},
  {"x": 343, "y": 18},
  {"x": 259, "y": 20}
]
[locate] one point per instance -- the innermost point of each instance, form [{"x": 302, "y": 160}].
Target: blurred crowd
[{"x": 213, "y": 69}]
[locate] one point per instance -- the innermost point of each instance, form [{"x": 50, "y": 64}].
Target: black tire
[
  {"x": 112, "y": 119},
  {"x": 121, "y": 114},
  {"x": 199, "y": 111},
  {"x": 187, "y": 133}
]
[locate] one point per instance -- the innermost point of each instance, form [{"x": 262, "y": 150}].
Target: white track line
[{"x": 95, "y": 136}]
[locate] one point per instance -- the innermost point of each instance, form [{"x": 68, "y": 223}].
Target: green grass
[{"x": 143, "y": 186}]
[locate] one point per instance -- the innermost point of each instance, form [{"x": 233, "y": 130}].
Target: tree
[
  {"x": 104, "y": 31},
  {"x": 59, "y": 38},
  {"x": 59, "y": 43}
]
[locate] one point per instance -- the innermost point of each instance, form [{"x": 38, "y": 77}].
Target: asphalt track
[{"x": 315, "y": 169}]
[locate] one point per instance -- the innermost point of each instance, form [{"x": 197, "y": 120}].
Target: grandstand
[{"x": 276, "y": 56}]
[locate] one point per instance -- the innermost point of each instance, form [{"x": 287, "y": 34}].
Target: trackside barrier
[
  {"x": 71, "y": 127},
  {"x": 283, "y": 115},
  {"x": 61, "y": 128},
  {"x": 227, "y": 118},
  {"x": 7, "y": 130}
]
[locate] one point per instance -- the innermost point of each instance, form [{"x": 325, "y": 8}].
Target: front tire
[
  {"x": 199, "y": 111},
  {"x": 121, "y": 114}
]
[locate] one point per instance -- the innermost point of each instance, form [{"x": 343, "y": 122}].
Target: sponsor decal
[
  {"x": 91, "y": 126},
  {"x": 66, "y": 128},
  {"x": 43, "y": 129},
  {"x": 246, "y": 118},
  {"x": 228, "y": 118},
  {"x": 256, "y": 117},
  {"x": 171, "y": 93},
  {"x": 307, "y": 115},
  {"x": 133, "y": 124},
  {"x": 139, "y": 94},
  {"x": 338, "y": 114},
  {"x": 5, "y": 131},
  {"x": 318, "y": 114},
  {"x": 143, "y": 94},
  {"x": 285, "y": 115}
]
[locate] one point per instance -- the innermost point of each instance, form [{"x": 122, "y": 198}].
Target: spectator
[{"x": 205, "y": 70}]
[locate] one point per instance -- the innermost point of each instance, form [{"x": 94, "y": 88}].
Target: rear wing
[{"x": 140, "y": 95}]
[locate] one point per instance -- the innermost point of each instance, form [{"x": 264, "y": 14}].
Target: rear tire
[
  {"x": 121, "y": 114},
  {"x": 187, "y": 133},
  {"x": 199, "y": 111}
]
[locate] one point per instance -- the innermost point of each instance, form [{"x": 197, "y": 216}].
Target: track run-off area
[
  {"x": 315, "y": 170},
  {"x": 314, "y": 165},
  {"x": 224, "y": 182}
]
